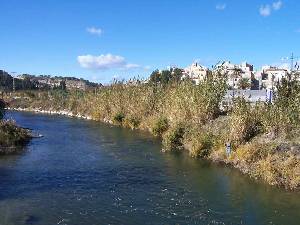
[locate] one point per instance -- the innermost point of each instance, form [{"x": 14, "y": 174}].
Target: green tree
[
  {"x": 244, "y": 83},
  {"x": 166, "y": 76},
  {"x": 2, "y": 109},
  {"x": 176, "y": 74},
  {"x": 155, "y": 77}
]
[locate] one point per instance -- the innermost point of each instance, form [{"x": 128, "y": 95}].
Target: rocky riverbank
[
  {"x": 52, "y": 112},
  {"x": 12, "y": 137}
]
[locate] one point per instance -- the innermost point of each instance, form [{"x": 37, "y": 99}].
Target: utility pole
[
  {"x": 292, "y": 58},
  {"x": 14, "y": 82}
]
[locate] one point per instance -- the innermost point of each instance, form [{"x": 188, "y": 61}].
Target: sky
[{"x": 101, "y": 40}]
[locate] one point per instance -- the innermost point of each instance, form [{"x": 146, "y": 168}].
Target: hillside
[{"x": 43, "y": 82}]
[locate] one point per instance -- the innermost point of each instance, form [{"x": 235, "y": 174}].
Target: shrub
[
  {"x": 118, "y": 118},
  {"x": 160, "y": 126},
  {"x": 173, "y": 138},
  {"x": 246, "y": 122},
  {"x": 131, "y": 122},
  {"x": 2, "y": 109},
  {"x": 12, "y": 135},
  {"x": 202, "y": 146}
]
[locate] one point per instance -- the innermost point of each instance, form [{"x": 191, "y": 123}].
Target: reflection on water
[{"x": 84, "y": 172}]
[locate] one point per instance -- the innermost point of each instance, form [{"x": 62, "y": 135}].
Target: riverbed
[{"x": 86, "y": 172}]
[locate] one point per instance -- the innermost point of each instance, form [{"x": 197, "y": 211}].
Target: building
[
  {"x": 247, "y": 70},
  {"x": 196, "y": 72},
  {"x": 271, "y": 76},
  {"x": 235, "y": 73}
]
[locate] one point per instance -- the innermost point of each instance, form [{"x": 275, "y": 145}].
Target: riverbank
[
  {"x": 276, "y": 161},
  {"x": 52, "y": 112},
  {"x": 188, "y": 117},
  {"x": 80, "y": 165},
  {"x": 12, "y": 137}
]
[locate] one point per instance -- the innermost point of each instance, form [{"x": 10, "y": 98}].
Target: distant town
[
  {"x": 239, "y": 77},
  {"x": 242, "y": 76}
]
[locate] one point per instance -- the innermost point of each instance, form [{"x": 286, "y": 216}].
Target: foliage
[
  {"x": 119, "y": 117},
  {"x": 155, "y": 77},
  {"x": 160, "y": 126},
  {"x": 188, "y": 115},
  {"x": 12, "y": 135},
  {"x": 2, "y": 109},
  {"x": 244, "y": 83},
  {"x": 166, "y": 76},
  {"x": 173, "y": 138},
  {"x": 176, "y": 74},
  {"x": 246, "y": 122},
  {"x": 287, "y": 104},
  {"x": 201, "y": 144},
  {"x": 132, "y": 122}
]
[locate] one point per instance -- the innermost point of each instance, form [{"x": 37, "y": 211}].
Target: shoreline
[
  {"x": 13, "y": 138},
  {"x": 52, "y": 112},
  {"x": 215, "y": 157}
]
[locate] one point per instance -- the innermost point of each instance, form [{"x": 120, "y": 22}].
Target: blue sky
[{"x": 99, "y": 40}]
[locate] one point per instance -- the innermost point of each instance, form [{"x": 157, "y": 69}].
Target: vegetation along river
[{"x": 85, "y": 172}]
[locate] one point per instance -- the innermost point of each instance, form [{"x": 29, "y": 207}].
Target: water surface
[{"x": 89, "y": 173}]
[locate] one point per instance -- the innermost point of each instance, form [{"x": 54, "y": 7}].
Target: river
[{"x": 89, "y": 173}]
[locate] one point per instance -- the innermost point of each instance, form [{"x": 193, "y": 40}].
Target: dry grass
[{"x": 188, "y": 116}]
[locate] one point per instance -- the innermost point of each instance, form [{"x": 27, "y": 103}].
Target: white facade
[
  {"x": 247, "y": 70},
  {"x": 235, "y": 73},
  {"x": 270, "y": 76},
  {"x": 196, "y": 72}
]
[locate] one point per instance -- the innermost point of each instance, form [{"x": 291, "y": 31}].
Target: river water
[{"x": 84, "y": 172}]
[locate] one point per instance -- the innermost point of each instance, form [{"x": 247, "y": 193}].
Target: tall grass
[{"x": 188, "y": 116}]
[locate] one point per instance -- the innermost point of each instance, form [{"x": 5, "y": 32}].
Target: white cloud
[
  {"x": 105, "y": 62},
  {"x": 221, "y": 7},
  {"x": 265, "y": 10},
  {"x": 131, "y": 66},
  {"x": 94, "y": 31},
  {"x": 277, "y": 5}
]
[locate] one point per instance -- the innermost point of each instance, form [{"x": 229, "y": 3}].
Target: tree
[
  {"x": 244, "y": 83},
  {"x": 155, "y": 77},
  {"x": 63, "y": 85},
  {"x": 176, "y": 74},
  {"x": 6, "y": 81},
  {"x": 2, "y": 109},
  {"x": 166, "y": 76}
]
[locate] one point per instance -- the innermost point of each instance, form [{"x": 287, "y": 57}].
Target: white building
[
  {"x": 247, "y": 70},
  {"x": 235, "y": 73},
  {"x": 196, "y": 72},
  {"x": 271, "y": 76}
]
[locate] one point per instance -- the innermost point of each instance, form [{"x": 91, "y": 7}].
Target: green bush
[
  {"x": 246, "y": 122},
  {"x": 173, "y": 138},
  {"x": 132, "y": 122},
  {"x": 202, "y": 146},
  {"x": 118, "y": 118},
  {"x": 12, "y": 135},
  {"x": 2, "y": 109},
  {"x": 160, "y": 126}
]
